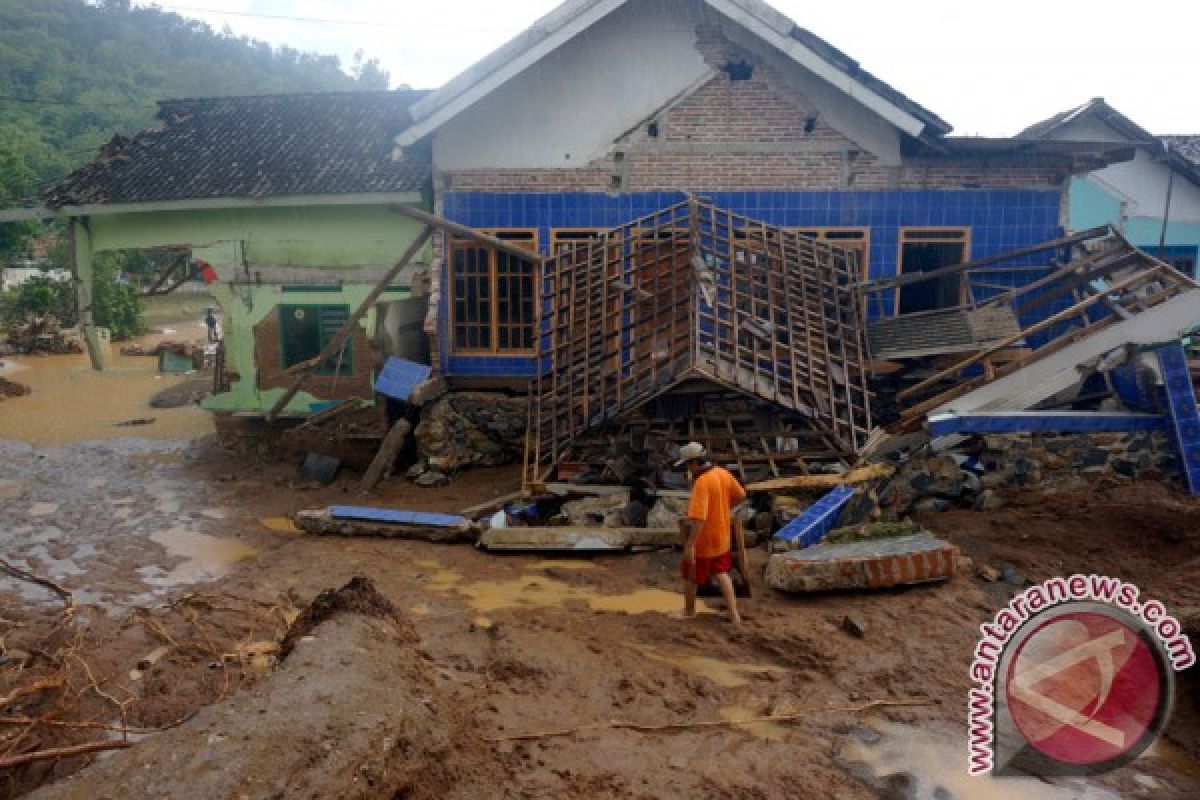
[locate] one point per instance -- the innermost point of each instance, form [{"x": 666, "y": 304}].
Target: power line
[{"x": 328, "y": 20}]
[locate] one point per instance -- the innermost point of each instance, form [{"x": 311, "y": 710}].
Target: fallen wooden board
[
  {"x": 322, "y": 522},
  {"x": 858, "y": 475},
  {"x": 578, "y": 539}
]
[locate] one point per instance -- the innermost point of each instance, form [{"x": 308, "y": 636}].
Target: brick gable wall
[{"x": 750, "y": 134}]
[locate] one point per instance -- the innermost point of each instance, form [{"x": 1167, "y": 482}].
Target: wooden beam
[
  {"x": 859, "y": 475},
  {"x": 339, "y": 340},
  {"x": 382, "y": 463},
  {"x": 443, "y": 224}
]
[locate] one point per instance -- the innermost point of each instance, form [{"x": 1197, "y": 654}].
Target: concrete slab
[
  {"x": 322, "y": 522},
  {"x": 578, "y": 539},
  {"x": 874, "y": 564}
]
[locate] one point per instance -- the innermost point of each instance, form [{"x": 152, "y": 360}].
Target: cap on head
[{"x": 692, "y": 451}]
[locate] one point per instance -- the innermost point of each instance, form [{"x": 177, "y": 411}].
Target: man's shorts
[{"x": 699, "y": 571}]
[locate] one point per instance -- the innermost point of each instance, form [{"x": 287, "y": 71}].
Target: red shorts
[{"x": 698, "y": 571}]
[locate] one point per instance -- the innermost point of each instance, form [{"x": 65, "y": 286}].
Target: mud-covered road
[{"x": 186, "y": 571}]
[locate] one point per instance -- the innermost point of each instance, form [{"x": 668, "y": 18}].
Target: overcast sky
[{"x": 988, "y": 68}]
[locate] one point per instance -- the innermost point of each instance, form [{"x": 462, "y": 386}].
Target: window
[
  {"x": 855, "y": 239},
  {"x": 562, "y": 239},
  {"x": 491, "y": 298},
  {"x": 925, "y": 250},
  {"x": 305, "y": 330}
]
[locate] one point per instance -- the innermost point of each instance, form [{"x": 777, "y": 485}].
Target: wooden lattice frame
[{"x": 696, "y": 292}]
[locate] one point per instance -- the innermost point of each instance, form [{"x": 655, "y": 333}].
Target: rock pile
[
  {"x": 467, "y": 429},
  {"x": 975, "y": 474}
]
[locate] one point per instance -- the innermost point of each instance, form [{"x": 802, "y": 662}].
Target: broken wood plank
[
  {"x": 381, "y": 465},
  {"x": 739, "y": 555},
  {"x": 339, "y": 339},
  {"x": 322, "y": 522},
  {"x": 859, "y": 475}
]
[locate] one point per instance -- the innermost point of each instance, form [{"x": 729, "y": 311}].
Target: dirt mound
[
  {"x": 358, "y": 596},
  {"x": 354, "y": 713}
]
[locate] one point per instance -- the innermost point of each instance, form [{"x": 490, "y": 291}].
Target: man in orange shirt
[{"x": 707, "y": 548}]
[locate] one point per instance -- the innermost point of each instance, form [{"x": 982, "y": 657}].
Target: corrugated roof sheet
[{"x": 258, "y": 146}]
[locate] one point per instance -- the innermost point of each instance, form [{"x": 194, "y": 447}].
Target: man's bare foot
[
  {"x": 736, "y": 621},
  {"x": 682, "y": 615}
]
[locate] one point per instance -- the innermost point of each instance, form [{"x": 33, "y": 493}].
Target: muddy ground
[{"x": 186, "y": 575}]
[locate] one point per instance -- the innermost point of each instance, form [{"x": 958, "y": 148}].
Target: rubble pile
[
  {"x": 973, "y": 473},
  {"x": 467, "y": 429},
  {"x": 12, "y": 389},
  {"x": 40, "y": 335}
]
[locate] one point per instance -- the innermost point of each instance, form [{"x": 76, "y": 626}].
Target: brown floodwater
[{"x": 70, "y": 402}]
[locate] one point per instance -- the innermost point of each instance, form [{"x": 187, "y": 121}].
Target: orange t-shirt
[{"x": 713, "y": 494}]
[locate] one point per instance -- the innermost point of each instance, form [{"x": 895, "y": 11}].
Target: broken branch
[{"x": 63, "y": 752}]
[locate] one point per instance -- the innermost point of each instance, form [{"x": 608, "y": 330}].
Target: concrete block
[{"x": 873, "y": 564}]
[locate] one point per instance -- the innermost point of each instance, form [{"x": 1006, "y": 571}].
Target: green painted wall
[
  {"x": 315, "y": 236},
  {"x": 245, "y": 307},
  {"x": 331, "y": 238}
]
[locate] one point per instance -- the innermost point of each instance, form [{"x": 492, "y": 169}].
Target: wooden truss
[
  {"x": 1087, "y": 282},
  {"x": 694, "y": 293}
]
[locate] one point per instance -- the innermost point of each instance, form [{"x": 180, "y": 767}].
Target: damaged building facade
[
  {"x": 286, "y": 201},
  {"x": 604, "y": 116}
]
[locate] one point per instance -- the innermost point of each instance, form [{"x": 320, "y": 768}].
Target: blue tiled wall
[{"x": 999, "y": 220}]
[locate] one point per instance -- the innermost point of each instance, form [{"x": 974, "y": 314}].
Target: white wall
[
  {"x": 566, "y": 110},
  {"x": 12, "y": 277},
  {"x": 1142, "y": 182}
]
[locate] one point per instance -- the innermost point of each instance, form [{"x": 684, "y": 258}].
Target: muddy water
[
  {"x": 70, "y": 402},
  {"x": 540, "y": 591},
  {"x": 204, "y": 557},
  {"x": 931, "y": 765}
]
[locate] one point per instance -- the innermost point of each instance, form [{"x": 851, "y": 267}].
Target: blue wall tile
[{"x": 999, "y": 220}]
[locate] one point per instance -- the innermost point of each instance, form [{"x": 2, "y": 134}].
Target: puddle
[
  {"x": 537, "y": 591},
  {"x": 771, "y": 731},
  {"x": 71, "y": 402},
  {"x": 279, "y": 524},
  {"x": 923, "y": 764},
  {"x": 206, "y": 557},
  {"x": 726, "y": 674}
]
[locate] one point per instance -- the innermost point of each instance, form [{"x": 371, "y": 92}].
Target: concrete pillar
[{"x": 82, "y": 267}]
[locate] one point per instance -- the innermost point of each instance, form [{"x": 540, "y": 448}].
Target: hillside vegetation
[{"x": 73, "y": 73}]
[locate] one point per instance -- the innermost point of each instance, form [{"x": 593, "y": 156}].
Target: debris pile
[
  {"x": 467, "y": 429},
  {"x": 41, "y": 335},
  {"x": 12, "y": 388}
]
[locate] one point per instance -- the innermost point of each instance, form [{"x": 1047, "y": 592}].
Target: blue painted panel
[
  {"x": 817, "y": 520},
  {"x": 397, "y": 516},
  {"x": 1181, "y": 406},
  {"x": 400, "y": 376},
  {"x": 1044, "y": 422}
]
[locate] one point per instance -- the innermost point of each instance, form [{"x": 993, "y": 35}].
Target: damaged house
[
  {"x": 709, "y": 185},
  {"x": 288, "y": 199}
]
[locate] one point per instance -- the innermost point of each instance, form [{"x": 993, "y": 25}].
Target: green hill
[{"x": 72, "y": 73}]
